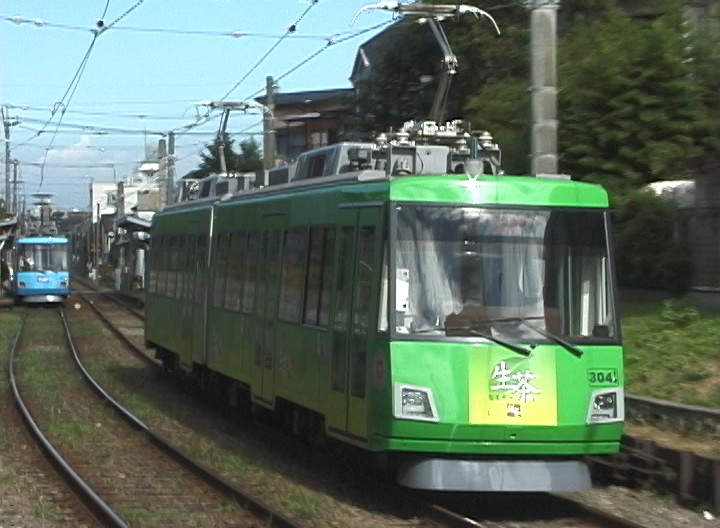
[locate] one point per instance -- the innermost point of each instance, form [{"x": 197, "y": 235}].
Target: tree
[
  {"x": 629, "y": 106},
  {"x": 651, "y": 251},
  {"x": 705, "y": 47},
  {"x": 247, "y": 160}
]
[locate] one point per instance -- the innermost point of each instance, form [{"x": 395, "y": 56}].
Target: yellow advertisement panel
[{"x": 506, "y": 388}]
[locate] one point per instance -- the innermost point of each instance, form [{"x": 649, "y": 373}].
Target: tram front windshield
[
  {"x": 42, "y": 257},
  {"x": 516, "y": 274}
]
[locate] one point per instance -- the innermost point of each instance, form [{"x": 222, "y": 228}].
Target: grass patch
[
  {"x": 45, "y": 510},
  {"x": 672, "y": 351}
]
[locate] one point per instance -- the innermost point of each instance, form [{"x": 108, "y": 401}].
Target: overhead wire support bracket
[{"x": 227, "y": 107}]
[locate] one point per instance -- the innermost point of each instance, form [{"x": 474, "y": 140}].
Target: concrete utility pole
[
  {"x": 171, "y": 168},
  {"x": 120, "y": 208},
  {"x": 162, "y": 163},
  {"x": 98, "y": 238},
  {"x": 543, "y": 44},
  {"x": 7, "y": 123},
  {"x": 268, "y": 123},
  {"x": 14, "y": 191}
]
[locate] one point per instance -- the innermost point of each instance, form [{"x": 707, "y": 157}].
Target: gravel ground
[
  {"x": 31, "y": 496},
  {"x": 346, "y": 501},
  {"x": 644, "y": 508}
]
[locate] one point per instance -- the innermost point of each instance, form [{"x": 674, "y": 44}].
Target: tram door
[
  {"x": 356, "y": 279},
  {"x": 268, "y": 289}
]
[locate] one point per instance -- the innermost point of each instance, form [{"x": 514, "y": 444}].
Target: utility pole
[
  {"x": 7, "y": 123},
  {"x": 171, "y": 168},
  {"x": 98, "y": 238},
  {"x": 221, "y": 140},
  {"x": 226, "y": 107},
  {"x": 543, "y": 46},
  {"x": 162, "y": 162},
  {"x": 268, "y": 123},
  {"x": 14, "y": 191}
]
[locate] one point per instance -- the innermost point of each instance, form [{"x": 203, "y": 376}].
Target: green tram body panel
[{"x": 291, "y": 360}]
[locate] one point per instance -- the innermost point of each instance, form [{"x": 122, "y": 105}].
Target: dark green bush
[{"x": 649, "y": 249}]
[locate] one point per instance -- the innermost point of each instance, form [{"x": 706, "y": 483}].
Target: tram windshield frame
[
  {"x": 42, "y": 257},
  {"x": 517, "y": 274}
]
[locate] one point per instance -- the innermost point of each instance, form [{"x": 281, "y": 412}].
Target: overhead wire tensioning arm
[
  {"x": 449, "y": 63},
  {"x": 433, "y": 14}
]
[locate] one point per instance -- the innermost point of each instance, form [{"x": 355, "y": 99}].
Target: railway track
[
  {"x": 121, "y": 469},
  {"x": 459, "y": 514},
  {"x": 691, "y": 419}
]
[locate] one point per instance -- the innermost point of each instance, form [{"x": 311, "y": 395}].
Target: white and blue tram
[{"x": 42, "y": 271}]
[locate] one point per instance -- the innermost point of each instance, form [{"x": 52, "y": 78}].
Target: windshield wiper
[
  {"x": 559, "y": 340},
  {"x": 515, "y": 348}
]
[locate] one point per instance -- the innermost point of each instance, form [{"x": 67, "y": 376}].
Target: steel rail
[
  {"x": 113, "y": 296},
  {"x": 253, "y": 505},
  {"x": 115, "y": 330},
  {"x": 85, "y": 493},
  {"x": 669, "y": 407}
]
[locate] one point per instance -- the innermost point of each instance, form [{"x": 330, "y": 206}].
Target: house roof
[
  {"x": 8, "y": 223},
  {"x": 311, "y": 96},
  {"x": 133, "y": 222}
]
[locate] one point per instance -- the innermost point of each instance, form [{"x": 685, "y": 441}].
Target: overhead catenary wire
[
  {"x": 236, "y": 34},
  {"x": 99, "y": 131},
  {"x": 291, "y": 29},
  {"x": 208, "y": 117},
  {"x": 143, "y": 116},
  {"x": 330, "y": 41},
  {"x": 192, "y": 129},
  {"x": 63, "y": 104}
]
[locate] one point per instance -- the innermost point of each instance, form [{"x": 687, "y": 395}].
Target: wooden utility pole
[{"x": 543, "y": 44}]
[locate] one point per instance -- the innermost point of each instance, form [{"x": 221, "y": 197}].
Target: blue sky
[{"x": 139, "y": 81}]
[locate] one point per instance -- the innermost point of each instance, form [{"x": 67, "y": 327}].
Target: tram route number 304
[{"x": 602, "y": 376}]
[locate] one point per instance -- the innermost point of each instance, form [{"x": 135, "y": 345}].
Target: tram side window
[
  {"x": 362, "y": 306},
  {"x": 233, "y": 297},
  {"x": 172, "y": 256},
  {"x": 182, "y": 265},
  {"x": 161, "y": 262},
  {"x": 176, "y": 268},
  {"x": 343, "y": 284},
  {"x": 251, "y": 266},
  {"x": 292, "y": 282},
  {"x": 154, "y": 251},
  {"x": 221, "y": 268},
  {"x": 200, "y": 269},
  {"x": 192, "y": 255},
  {"x": 319, "y": 276}
]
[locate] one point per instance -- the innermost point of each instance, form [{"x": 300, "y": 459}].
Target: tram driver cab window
[{"x": 27, "y": 263}]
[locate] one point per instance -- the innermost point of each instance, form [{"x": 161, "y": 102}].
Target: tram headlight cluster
[
  {"x": 607, "y": 406},
  {"x": 414, "y": 403}
]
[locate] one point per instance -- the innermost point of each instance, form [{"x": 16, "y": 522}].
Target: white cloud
[{"x": 81, "y": 151}]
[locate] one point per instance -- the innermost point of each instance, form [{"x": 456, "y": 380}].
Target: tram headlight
[
  {"x": 414, "y": 403},
  {"x": 607, "y": 406}
]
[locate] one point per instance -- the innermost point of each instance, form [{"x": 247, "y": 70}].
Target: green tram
[{"x": 405, "y": 298}]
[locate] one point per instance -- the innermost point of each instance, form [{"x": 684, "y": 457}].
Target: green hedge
[{"x": 650, "y": 249}]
